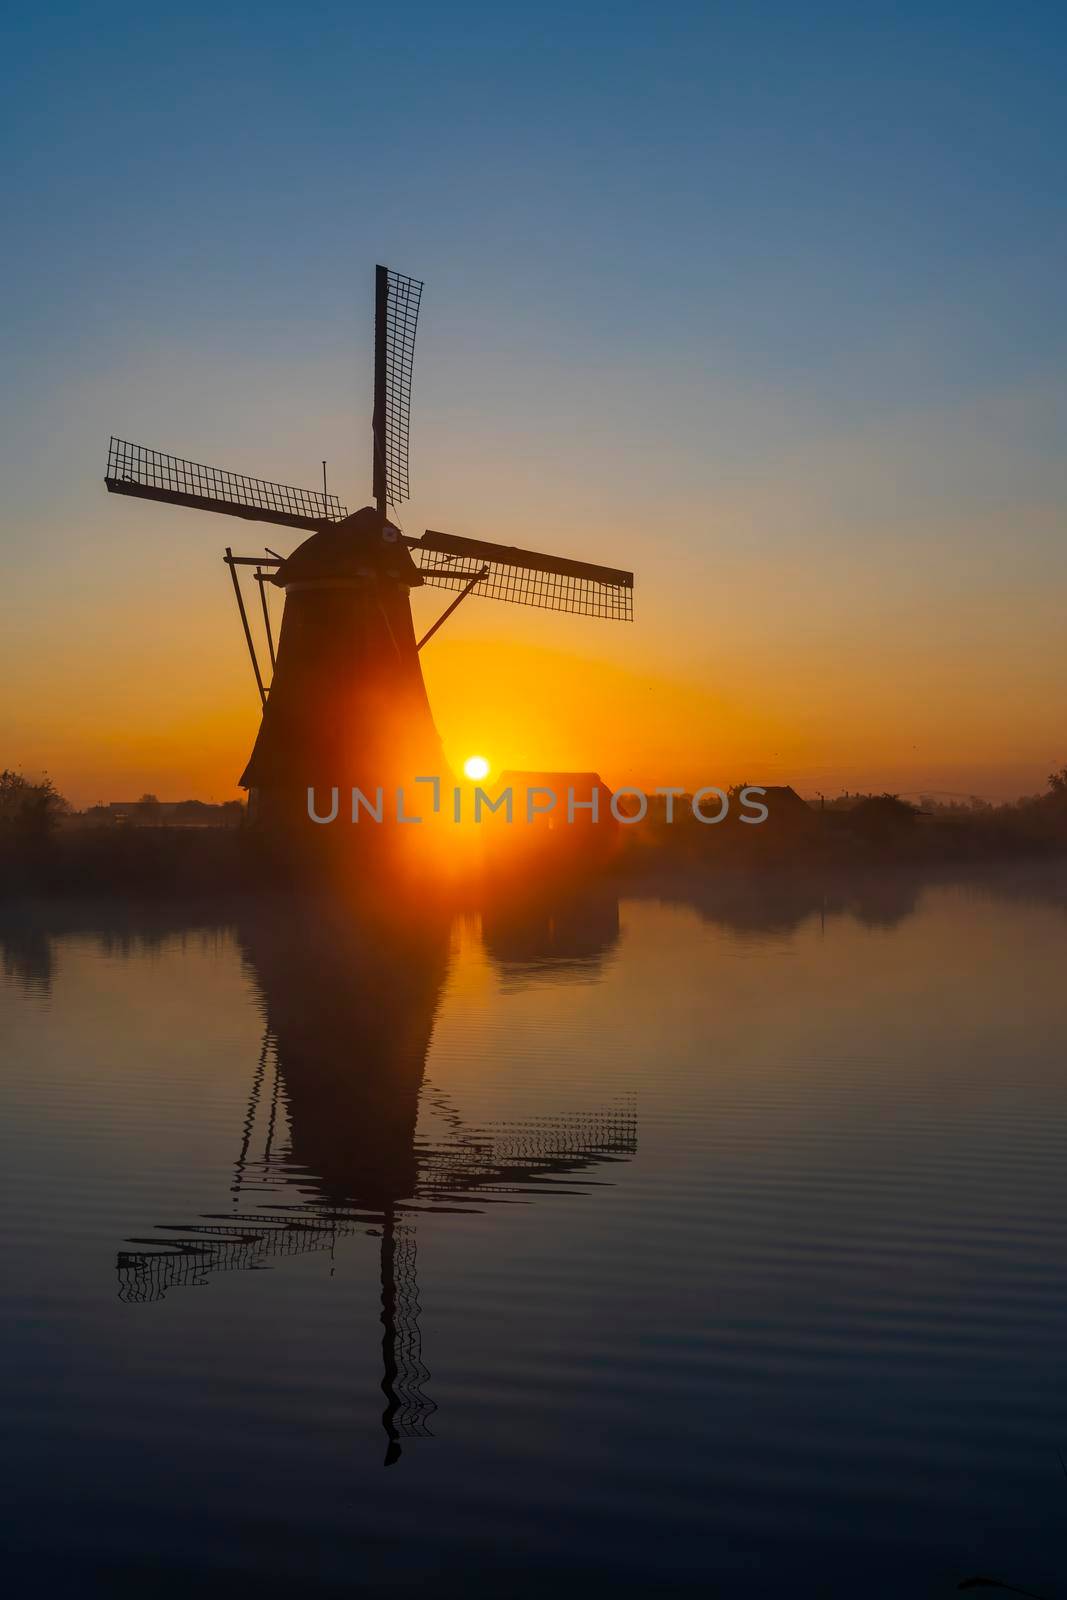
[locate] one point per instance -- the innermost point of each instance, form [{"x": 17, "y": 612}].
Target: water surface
[{"x": 708, "y": 1240}]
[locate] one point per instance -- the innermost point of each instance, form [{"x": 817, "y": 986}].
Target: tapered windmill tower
[{"x": 345, "y": 704}]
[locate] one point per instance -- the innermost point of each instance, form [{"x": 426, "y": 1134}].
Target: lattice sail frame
[
  {"x": 403, "y": 298},
  {"x": 552, "y": 584},
  {"x": 414, "y": 1406},
  {"x": 155, "y": 475}
]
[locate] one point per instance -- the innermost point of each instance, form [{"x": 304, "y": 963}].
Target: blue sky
[{"x": 702, "y": 280}]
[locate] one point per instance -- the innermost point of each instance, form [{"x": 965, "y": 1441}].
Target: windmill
[{"x": 346, "y": 703}]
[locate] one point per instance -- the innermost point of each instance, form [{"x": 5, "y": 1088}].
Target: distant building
[
  {"x": 548, "y": 835},
  {"x": 584, "y": 785},
  {"x": 785, "y": 808}
]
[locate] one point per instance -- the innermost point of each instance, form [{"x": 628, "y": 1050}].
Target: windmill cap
[{"x": 355, "y": 547}]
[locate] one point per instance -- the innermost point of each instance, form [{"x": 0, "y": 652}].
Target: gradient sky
[{"x": 761, "y": 300}]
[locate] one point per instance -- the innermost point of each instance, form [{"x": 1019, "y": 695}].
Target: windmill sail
[
  {"x": 396, "y": 316},
  {"x": 155, "y": 475},
  {"x": 525, "y": 577}
]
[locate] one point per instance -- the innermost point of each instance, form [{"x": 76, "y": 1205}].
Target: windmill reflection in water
[{"x": 330, "y": 1143}]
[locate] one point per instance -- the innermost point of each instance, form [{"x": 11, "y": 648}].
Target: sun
[{"x": 476, "y": 768}]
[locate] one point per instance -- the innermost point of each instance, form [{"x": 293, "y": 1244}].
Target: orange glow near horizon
[
  {"x": 814, "y": 664},
  {"x": 154, "y": 715}
]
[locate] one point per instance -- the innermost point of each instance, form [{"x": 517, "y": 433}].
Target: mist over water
[{"x": 694, "y": 1239}]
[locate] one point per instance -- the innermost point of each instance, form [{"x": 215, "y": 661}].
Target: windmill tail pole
[
  {"x": 261, "y": 580},
  {"x": 229, "y": 560}
]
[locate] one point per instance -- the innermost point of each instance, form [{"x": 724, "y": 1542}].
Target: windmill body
[{"x": 346, "y": 706}]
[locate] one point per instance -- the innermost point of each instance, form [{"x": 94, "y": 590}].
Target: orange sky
[
  {"x": 841, "y": 603},
  {"x": 820, "y": 666}
]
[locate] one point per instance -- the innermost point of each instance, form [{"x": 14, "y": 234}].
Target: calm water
[{"x": 618, "y": 1246}]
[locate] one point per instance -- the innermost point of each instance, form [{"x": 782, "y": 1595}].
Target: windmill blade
[
  {"x": 525, "y": 577},
  {"x": 396, "y": 315},
  {"x": 154, "y": 475},
  {"x": 511, "y": 1155}
]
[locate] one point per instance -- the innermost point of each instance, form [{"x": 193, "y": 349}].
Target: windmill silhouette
[
  {"x": 346, "y": 704},
  {"x": 331, "y": 1143}
]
